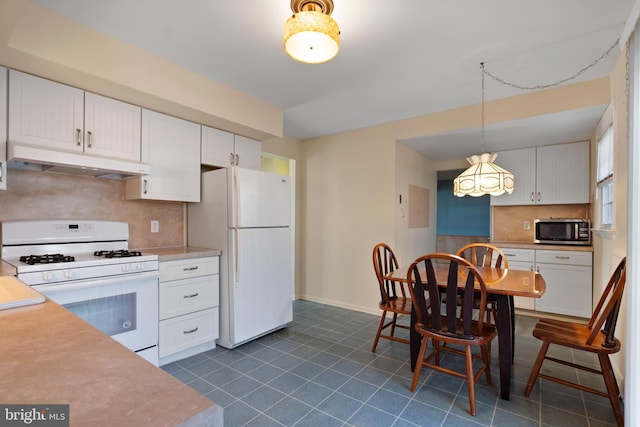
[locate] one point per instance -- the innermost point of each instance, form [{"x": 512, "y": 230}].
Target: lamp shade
[
  {"x": 483, "y": 177},
  {"x": 311, "y": 37}
]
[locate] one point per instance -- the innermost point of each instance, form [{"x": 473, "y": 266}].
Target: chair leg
[
  {"x": 471, "y": 387},
  {"x": 536, "y": 368},
  {"x": 380, "y": 326},
  {"x": 393, "y": 324},
  {"x": 612, "y": 387},
  {"x": 485, "y": 350},
  {"x": 418, "y": 368}
]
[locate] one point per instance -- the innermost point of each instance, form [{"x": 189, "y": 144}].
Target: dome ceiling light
[{"x": 311, "y": 35}]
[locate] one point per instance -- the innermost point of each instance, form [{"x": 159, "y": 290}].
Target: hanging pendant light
[
  {"x": 483, "y": 176},
  {"x": 311, "y": 35}
]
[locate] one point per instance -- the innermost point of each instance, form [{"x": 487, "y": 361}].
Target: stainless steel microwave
[{"x": 563, "y": 231}]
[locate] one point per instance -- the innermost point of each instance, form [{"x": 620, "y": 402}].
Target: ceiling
[{"x": 398, "y": 59}]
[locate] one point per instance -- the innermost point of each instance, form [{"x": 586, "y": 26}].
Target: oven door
[{"x": 123, "y": 307}]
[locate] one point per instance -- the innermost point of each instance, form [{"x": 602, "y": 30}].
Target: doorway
[{"x": 460, "y": 220}]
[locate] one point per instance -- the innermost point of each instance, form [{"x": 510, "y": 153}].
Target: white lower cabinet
[
  {"x": 188, "y": 307},
  {"x": 569, "y": 279},
  {"x": 521, "y": 259},
  {"x": 568, "y": 275}
]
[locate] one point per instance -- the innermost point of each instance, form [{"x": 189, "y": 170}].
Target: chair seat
[
  {"x": 397, "y": 305},
  {"x": 481, "y": 337},
  {"x": 572, "y": 335}
]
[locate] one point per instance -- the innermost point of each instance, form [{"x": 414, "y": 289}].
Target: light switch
[
  {"x": 526, "y": 225},
  {"x": 155, "y": 226}
]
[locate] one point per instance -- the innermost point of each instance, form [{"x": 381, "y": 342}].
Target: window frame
[{"x": 605, "y": 181}]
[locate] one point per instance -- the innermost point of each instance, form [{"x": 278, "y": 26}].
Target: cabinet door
[
  {"x": 171, "y": 146},
  {"x": 248, "y": 152},
  {"x": 522, "y": 164},
  {"x": 3, "y": 128},
  {"x": 569, "y": 289},
  {"x": 112, "y": 128},
  {"x": 563, "y": 173},
  {"x": 521, "y": 259},
  {"x": 217, "y": 147},
  {"x": 45, "y": 113}
]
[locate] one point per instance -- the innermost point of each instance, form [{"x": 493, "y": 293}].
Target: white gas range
[{"x": 87, "y": 267}]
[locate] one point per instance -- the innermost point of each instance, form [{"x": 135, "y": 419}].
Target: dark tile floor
[{"x": 320, "y": 371}]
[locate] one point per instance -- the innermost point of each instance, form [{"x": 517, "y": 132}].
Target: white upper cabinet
[
  {"x": 112, "y": 128},
  {"x": 548, "y": 175},
  {"x": 522, "y": 164},
  {"x": 63, "y": 118},
  {"x": 562, "y": 173},
  {"x": 171, "y": 146},
  {"x": 45, "y": 113},
  {"x": 224, "y": 149},
  {"x": 3, "y": 128}
]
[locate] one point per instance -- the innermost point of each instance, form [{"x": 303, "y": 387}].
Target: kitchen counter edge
[
  {"x": 182, "y": 252},
  {"x": 526, "y": 245}
]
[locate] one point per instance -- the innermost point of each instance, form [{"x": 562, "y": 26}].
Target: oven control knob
[
  {"x": 68, "y": 274},
  {"x": 140, "y": 266},
  {"x": 125, "y": 267},
  {"x": 48, "y": 276}
]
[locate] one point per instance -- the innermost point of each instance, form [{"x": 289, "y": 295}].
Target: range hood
[{"x": 24, "y": 156}]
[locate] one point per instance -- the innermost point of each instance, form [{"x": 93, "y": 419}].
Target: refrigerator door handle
[
  {"x": 237, "y": 190},
  {"x": 237, "y": 258}
]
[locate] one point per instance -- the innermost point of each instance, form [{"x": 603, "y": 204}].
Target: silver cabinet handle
[
  {"x": 538, "y": 196},
  {"x": 532, "y": 199},
  {"x": 78, "y": 137},
  {"x": 1, "y": 172},
  {"x": 508, "y": 254},
  {"x": 190, "y": 268},
  {"x": 563, "y": 257},
  {"x": 89, "y": 135},
  {"x": 191, "y": 295},
  {"x": 237, "y": 160},
  {"x": 145, "y": 187},
  {"x": 190, "y": 331},
  {"x": 232, "y": 159}
]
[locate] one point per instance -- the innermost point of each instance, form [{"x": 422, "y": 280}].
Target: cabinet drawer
[
  {"x": 563, "y": 257},
  {"x": 181, "y": 333},
  {"x": 188, "y": 295},
  {"x": 185, "y": 268},
  {"x": 518, "y": 255}
]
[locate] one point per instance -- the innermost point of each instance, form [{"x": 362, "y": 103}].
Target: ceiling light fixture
[
  {"x": 311, "y": 35},
  {"x": 483, "y": 176}
]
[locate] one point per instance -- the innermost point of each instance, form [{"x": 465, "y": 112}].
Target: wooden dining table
[{"x": 501, "y": 285}]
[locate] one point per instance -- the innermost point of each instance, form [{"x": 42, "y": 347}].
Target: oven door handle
[{"x": 50, "y": 288}]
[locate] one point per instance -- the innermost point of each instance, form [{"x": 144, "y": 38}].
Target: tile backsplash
[
  {"x": 34, "y": 195},
  {"x": 507, "y": 221}
]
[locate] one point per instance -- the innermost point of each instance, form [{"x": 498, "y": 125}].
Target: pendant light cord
[
  {"x": 546, "y": 86},
  {"x": 482, "y": 70}
]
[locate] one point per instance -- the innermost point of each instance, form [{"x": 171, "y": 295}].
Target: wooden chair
[
  {"x": 485, "y": 255},
  {"x": 597, "y": 336},
  {"x": 450, "y": 323},
  {"x": 384, "y": 261}
]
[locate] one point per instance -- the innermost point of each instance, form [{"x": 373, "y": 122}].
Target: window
[{"x": 605, "y": 179}]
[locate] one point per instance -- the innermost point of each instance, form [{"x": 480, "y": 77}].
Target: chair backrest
[
  {"x": 605, "y": 315},
  {"x": 427, "y": 274},
  {"x": 483, "y": 255},
  {"x": 384, "y": 261}
]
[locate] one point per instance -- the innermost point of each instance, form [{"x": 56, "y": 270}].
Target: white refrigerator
[{"x": 247, "y": 215}]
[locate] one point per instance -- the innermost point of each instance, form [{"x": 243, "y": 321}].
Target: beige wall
[
  {"x": 352, "y": 181},
  {"x": 610, "y": 248}
]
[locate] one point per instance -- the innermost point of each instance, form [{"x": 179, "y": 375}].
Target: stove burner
[
  {"x": 123, "y": 253},
  {"x": 46, "y": 259}
]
